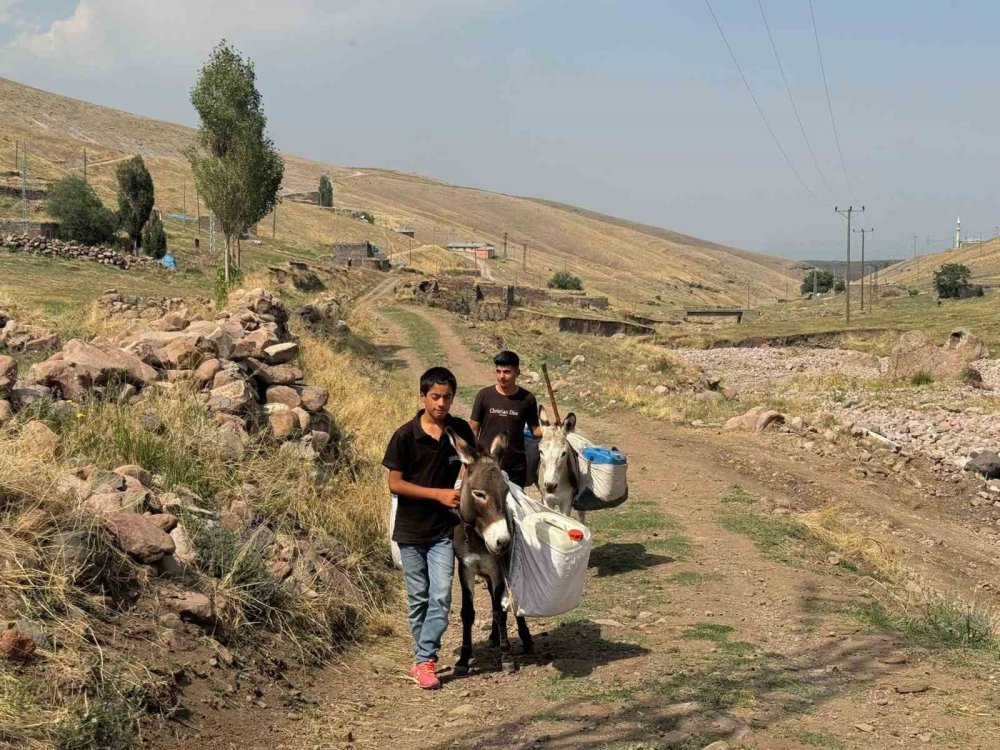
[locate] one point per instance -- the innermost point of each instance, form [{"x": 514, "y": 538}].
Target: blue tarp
[{"x": 168, "y": 262}]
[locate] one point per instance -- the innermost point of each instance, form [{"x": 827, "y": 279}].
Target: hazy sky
[{"x": 633, "y": 108}]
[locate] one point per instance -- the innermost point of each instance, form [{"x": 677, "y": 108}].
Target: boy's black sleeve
[
  {"x": 531, "y": 411},
  {"x": 396, "y": 458}
]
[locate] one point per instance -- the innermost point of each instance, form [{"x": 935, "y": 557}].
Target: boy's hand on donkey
[{"x": 449, "y": 498}]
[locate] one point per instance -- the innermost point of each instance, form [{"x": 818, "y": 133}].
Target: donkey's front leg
[
  {"x": 466, "y": 579},
  {"x": 500, "y": 621}
]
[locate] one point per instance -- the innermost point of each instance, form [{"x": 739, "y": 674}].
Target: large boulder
[
  {"x": 101, "y": 365},
  {"x": 233, "y": 398},
  {"x": 757, "y": 419},
  {"x": 915, "y": 353},
  {"x": 139, "y": 537}
]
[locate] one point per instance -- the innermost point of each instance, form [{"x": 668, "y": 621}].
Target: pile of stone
[
  {"x": 53, "y": 248},
  {"x": 241, "y": 362},
  {"x": 17, "y": 336},
  {"x": 953, "y": 362},
  {"x": 325, "y": 316},
  {"x": 117, "y": 305}
]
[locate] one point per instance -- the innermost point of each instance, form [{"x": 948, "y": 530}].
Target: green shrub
[
  {"x": 135, "y": 198},
  {"x": 154, "y": 239},
  {"x": 565, "y": 280},
  {"x": 839, "y": 286},
  {"x": 921, "y": 378},
  {"x": 952, "y": 280},
  {"x": 81, "y": 215},
  {"x": 823, "y": 281},
  {"x": 913, "y": 292},
  {"x": 222, "y": 289}
]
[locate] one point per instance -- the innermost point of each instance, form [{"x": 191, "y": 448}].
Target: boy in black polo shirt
[
  {"x": 507, "y": 407},
  {"x": 423, "y": 468}
]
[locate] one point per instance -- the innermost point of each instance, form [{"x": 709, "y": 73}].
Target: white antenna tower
[{"x": 958, "y": 232}]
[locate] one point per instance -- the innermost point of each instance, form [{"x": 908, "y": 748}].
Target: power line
[
  {"x": 760, "y": 111},
  {"x": 791, "y": 99},
  {"x": 829, "y": 104}
]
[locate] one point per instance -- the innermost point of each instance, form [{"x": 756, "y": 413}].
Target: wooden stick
[{"x": 552, "y": 394}]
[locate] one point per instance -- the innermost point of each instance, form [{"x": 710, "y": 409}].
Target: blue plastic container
[{"x": 604, "y": 456}]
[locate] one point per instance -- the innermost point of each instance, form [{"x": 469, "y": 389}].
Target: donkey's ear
[
  {"x": 466, "y": 453},
  {"x": 569, "y": 424},
  {"x": 499, "y": 446},
  {"x": 543, "y": 418}
]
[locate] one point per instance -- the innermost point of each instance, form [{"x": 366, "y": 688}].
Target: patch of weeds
[
  {"x": 632, "y": 519},
  {"x": 561, "y": 688},
  {"x": 420, "y": 333},
  {"x": 739, "y": 495},
  {"x": 663, "y": 366},
  {"x": 921, "y": 378},
  {"x": 692, "y": 578},
  {"x": 777, "y": 540},
  {"x": 936, "y": 624},
  {"x": 224, "y": 555},
  {"x": 735, "y": 683},
  {"x": 709, "y": 631},
  {"x": 677, "y": 546},
  {"x": 815, "y": 739},
  {"x": 107, "y": 723}
]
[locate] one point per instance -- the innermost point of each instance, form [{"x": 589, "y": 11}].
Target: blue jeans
[{"x": 427, "y": 570}]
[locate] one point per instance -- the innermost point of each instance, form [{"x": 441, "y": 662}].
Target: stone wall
[{"x": 22, "y": 243}]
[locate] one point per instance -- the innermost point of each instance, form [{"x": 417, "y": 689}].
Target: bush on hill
[
  {"x": 81, "y": 215},
  {"x": 565, "y": 280},
  {"x": 817, "y": 280},
  {"x": 154, "y": 239}
]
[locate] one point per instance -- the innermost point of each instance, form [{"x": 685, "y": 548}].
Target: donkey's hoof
[
  {"x": 461, "y": 670},
  {"x": 528, "y": 647},
  {"x": 509, "y": 667}
]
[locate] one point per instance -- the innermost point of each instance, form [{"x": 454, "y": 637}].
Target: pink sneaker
[{"x": 423, "y": 675}]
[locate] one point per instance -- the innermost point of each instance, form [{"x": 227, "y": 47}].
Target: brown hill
[{"x": 639, "y": 263}]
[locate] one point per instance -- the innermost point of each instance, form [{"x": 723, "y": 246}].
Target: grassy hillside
[
  {"x": 982, "y": 258},
  {"x": 636, "y": 262}
]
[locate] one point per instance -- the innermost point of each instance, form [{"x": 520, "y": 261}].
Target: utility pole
[
  {"x": 862, "y": 232},
  {"x": 847, "y": 213},
  {"x": 24, "y": 189},
  {"x": 505, "y": 246},
  {"x": 524, "y": 258}
]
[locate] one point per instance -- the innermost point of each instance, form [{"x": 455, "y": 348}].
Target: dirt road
[
  {"x": 709, "y": 620},
  {"x": 703, "y": 621}
]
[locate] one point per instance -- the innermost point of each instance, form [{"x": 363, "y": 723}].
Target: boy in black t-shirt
[
  {"x": 423, "y": 468},
  {"x": 506, "y": 407}
]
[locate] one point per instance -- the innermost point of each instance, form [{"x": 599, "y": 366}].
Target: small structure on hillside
[
  {"x": 46, "y": 229},
  {"x": 406, "y": 231},
  {"x": 360, "y": 255},
  {"x": 479, "y": 250}
]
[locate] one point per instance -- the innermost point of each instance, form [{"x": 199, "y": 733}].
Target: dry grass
[
  {"x": 73, "y": 599},
  {"x": 610, "y": 254}
]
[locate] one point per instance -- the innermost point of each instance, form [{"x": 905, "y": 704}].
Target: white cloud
[{"x": 105, "y": 35}]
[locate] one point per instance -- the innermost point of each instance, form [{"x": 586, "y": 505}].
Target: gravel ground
[{"x": 946, "y": 422}]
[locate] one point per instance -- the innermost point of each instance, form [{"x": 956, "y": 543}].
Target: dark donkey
[{"x": 483, "y": 545}]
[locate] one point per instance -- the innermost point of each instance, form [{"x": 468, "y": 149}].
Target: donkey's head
[
  {"x": 484, "y": 490},
  {"x": 555, "y": 471}
]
